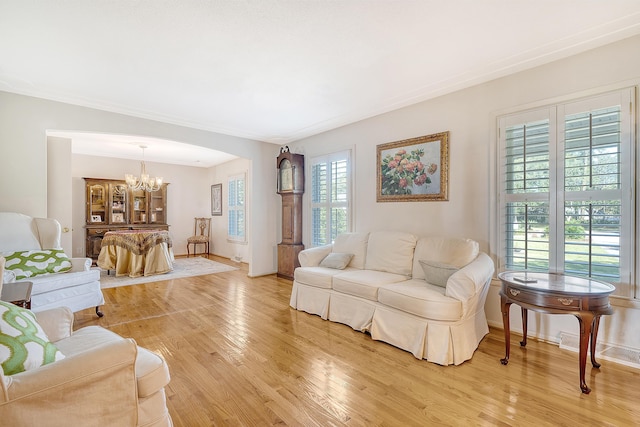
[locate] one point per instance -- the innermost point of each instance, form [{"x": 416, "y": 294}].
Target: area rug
[{"x": 182, "y": 267}]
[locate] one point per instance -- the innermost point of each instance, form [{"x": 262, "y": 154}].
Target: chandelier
[{"x": 144, "y": 182}]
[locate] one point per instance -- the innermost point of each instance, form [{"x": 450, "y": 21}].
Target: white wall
[
  {"x": 24, "y": 122},
  {"x": 470, "y": 115},
  {"x": 222, "y": 246},
  {"x": 59, "y": 198}
]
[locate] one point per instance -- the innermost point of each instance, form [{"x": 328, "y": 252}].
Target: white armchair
[
  {"x": 103, "y": 380},
  {"x": 78, "y": 288}
]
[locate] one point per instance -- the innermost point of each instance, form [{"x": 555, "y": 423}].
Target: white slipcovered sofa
[
  {"x": 383, "y": 290},
  {"x": 100, "y": 378},
  {"x": 39, "y": 239}
]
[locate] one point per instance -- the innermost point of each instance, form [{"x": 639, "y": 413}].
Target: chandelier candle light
[{"x": 144, "y": 182}]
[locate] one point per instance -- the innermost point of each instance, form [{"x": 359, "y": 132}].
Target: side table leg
[
  {"x": 505, "y": 305},
  {"x": 586, "y": 320},
  {"x": 594, "y": 336},
  {"x": 525, "y": 318}
]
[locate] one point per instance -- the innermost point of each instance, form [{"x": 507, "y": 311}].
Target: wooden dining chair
[{"x": 201, "y": 234}]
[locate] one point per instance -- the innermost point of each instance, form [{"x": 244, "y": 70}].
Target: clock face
[{"x": 286, "y": 176}]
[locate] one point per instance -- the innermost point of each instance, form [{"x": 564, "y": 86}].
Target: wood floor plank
[{"x": 240, "y": 356}]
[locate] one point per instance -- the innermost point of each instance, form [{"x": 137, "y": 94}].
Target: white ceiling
[
  {"x": 140, "y": 148},
  {"x": 281, "y": 70}
]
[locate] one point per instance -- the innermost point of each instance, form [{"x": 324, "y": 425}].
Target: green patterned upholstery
[
  {"x": 23, "y": 343},
  {"x": 27, "y": 264}
]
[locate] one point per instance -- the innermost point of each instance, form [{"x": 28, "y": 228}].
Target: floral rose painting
[{"x": 413, "y": 169}]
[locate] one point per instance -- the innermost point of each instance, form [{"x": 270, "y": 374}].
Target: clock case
[{"x": 290, "y": 186}]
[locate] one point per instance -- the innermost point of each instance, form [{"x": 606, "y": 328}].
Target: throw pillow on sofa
[
  {"x": 27, "y": 264},
  {"x": 437, "y": 273},
  {"x": 336, "y": 260},
  {"x": 23, "y": 343}
]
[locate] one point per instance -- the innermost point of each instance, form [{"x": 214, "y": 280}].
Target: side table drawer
[{"x": 544, "y": 299}]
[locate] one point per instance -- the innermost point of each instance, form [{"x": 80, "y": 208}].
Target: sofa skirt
[
  {"x": 444, "y": 343},
  {"x": 77, "y": 298},
  {"x": 310, "y": 299},
  {"x": 441, "y": 342},
  {"x": 352, "y": 311}
]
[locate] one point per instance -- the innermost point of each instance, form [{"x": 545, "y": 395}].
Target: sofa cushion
[
  {"x": 152, "y": 372},
  {"x": 352, "y": 243},
  {"x": 456, "y": 252},
  {"x": 74, "y": 297},
  {"x": 23, "y": 343},
  {"x": 390, "y": 251},
  {"x": 52, "y": 282},
  {"x": 26, "y": 264},
  {"x": 336, "y": 260},
  {"x": 424, "y": 300},
  {"x": 437, "y": 273},
  {"x": 364, "y": 283},
  {"x": 319, "y": 277}
]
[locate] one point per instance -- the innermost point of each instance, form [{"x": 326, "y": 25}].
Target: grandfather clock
[{"x": 290, "y": 187}]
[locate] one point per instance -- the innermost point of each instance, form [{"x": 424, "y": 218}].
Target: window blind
[
  {"x": 330, "y": 198},
  {"x": 236, "y": 208}
]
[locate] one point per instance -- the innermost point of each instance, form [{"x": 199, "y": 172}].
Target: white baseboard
[
  {"x": 614, "y": 353},
  {"x": 605, "y": 351}
]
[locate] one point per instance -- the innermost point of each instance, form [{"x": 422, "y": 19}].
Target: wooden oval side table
[{"x": 587, "y": 299}]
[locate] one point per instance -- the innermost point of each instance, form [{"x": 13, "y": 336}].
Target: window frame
[
  {"x": 557, "y": 112},
  {"x": 328, "y": 205}
]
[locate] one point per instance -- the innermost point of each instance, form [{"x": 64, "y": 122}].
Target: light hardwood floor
[{"x": 240, "y": 356}]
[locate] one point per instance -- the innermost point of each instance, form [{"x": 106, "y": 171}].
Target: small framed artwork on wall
[{"x": 216, "y": 199}]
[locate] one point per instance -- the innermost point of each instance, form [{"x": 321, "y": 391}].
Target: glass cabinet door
[
  {"x": 139, "y": 207},
  {"x": 96, "y": 203},
  {"x": 118, "y": 203},
  {"x": 158, "y": 206}
]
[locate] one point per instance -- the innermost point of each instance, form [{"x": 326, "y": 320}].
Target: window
[
  {"x": 236, "y": 209},
  {"x": 566, "y": 177},
  {"x": 330, "y": 197}
]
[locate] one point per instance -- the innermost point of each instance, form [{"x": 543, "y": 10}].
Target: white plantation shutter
[
  {"x": 565, "y": 189},
  {"x": 596, "y": 167},
  {"x": 236, "y": 208},
  {"x": 526, "y": 188},
  {"x": 339, "y": 194},
  {"x": 330, "y": 197},
  {"x": 319, "y": 235}
]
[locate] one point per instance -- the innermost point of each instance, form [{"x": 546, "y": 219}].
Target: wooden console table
[{"x": 586, "y": 299}]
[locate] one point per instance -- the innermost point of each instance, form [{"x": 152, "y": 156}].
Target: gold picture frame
[{"x": 413, "y": 170}]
